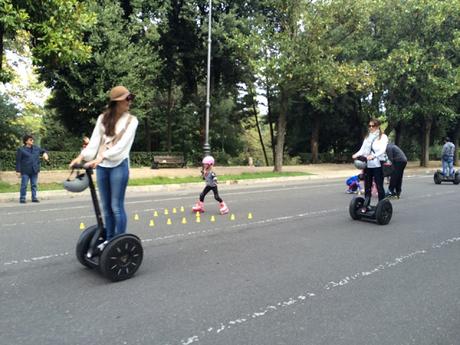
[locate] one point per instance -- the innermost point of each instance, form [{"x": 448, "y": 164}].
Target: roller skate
[
  {"x": 223, "y": 208},
  {"x": 199, "y": 207}
]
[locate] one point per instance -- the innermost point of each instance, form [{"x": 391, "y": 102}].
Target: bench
[{"x": 168, "y": 161}]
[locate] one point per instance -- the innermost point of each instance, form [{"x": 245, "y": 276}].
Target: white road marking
[
  {"x": 191, "y": 233},
  {"x": 304, "y": 296}
]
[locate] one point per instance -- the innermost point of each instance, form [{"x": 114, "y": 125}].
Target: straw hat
[{"x": 119, "y": 93}]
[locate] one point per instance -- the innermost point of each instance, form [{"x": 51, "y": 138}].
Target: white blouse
[
  {"x": 379, "y": 147},
  {"x": 117, "y": 153}
]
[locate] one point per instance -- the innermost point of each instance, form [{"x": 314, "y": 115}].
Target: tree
[
  {"x": 55, "y": 29},
  {"x": 10, "y": 133}
]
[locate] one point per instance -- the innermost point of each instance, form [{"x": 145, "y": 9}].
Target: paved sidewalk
[{"x": 317, "y": 171}]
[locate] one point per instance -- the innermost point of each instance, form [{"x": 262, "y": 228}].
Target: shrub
[{"x": 59, "y": 160}]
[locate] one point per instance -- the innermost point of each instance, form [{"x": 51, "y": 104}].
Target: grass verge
[{"x": 9, "y": 188}]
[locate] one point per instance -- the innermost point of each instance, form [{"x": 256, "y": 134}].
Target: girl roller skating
[{"x": 211, "y": 184}]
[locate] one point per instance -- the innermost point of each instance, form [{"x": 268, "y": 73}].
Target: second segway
[
  {"x": 360, "y": 209},
  {"x": 117, "y": 259},
  {"x": 439, "y": 177}
]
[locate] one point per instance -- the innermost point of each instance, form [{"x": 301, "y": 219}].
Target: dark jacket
[
  {"x": 395, "y": 154},
  {"x": 28, "y": 160}
]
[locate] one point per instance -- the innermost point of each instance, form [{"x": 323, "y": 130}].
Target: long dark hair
[{"x": 110, "y": 118}]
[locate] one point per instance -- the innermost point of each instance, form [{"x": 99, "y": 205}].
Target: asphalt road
[{"x": 299, "y": 272}]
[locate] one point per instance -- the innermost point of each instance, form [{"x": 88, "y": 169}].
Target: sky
[{"x": 22, "y": 66}]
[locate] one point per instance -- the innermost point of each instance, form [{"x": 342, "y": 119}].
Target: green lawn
[{"x": 6, "y": 187}]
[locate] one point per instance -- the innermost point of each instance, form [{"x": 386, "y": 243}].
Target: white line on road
[
  {"x": 217, "y": 229},
  {"x": 190, "y": 234},
  {"x": 281, "y": 189},
  {"x": 302, "y": 297}
]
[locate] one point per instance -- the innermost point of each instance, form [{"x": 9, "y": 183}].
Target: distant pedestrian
[
  {"x": 28, "y": 166},
  {"x": 399, "y": 162},
  {"x": 447, "y": 157},
  {"x": 84, "y": 143},
  {"x": 211, "y": 185}
]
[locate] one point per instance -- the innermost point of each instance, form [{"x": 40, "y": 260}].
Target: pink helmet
[{"x": 208, "y": 160}]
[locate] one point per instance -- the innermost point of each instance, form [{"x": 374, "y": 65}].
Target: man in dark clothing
[
  {"x": 399, "y": 161},
  {"x": 28, "y": 167}
]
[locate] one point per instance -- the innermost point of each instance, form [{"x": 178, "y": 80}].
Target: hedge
[{"x": 59, "y": 160}]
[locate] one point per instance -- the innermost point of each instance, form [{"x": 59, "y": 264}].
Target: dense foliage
[{"x": 324, "y": 68}]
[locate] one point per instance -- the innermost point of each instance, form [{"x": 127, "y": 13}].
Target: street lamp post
[{"x": 206, "y": 146}]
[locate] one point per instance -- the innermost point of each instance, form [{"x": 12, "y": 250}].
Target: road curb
[{"x": 63, "y": 194}]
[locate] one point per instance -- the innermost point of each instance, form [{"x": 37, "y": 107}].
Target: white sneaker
[{"x": 102, "y": 246}]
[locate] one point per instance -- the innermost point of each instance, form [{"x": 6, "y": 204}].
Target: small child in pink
[{"x": 211, "y": 184}]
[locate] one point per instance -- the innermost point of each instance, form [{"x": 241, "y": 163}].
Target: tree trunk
[
  {"x": 281, "y": 132},
  {"x": 2, "y": 33},
  {"x": 270, "y": 123},
  {"x": 169, "y": 117},
  {"x": 425, "y": 158},
  {"x": 315, "y": 139},
  {"x": 455, "y": 140},
  {"x": 254, "y": 108},
  {"x": 148, "y": 138},
  {"x": 398, "y": 133}
]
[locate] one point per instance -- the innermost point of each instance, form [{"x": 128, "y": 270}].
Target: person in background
[
  {"x": 28, "y": 166},
  {"x": 354, "y": 184},
  {"x": 84, "y": 143},
  {"x": 399, "y": 162},
  {"x": 373, "y": 150},
  {"x": 447, "y": 157}
]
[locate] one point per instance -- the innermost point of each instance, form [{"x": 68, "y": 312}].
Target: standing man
[
  {"x": 28, "y": 166},
  {"x": 399, "y": 162},
  {"x": 447, "y": 156}
]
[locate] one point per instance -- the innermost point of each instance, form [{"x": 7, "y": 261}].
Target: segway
[
  {"x": 380, "y": 213},
  {"x": 439, "y": 177},
  {"x": 119, "y": 258}
]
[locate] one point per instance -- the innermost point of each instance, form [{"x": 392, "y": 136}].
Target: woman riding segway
[
  {"x": 107, "y": 245},
  {"x": 369, "y": 158}
]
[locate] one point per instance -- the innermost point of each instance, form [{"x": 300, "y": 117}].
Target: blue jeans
[
  {"x": 447, "y": 166},
  {"x": 112, "y": 183},
  {"x": 33, "y": 186}
]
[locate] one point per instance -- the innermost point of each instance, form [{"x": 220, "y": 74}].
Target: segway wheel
[
  {"x": 383, "y": 212},
  {"x": 83, "y": 246},
  {"x": 355, "y": 204},
  {"x": 437, "y": 177},
  {"x": 121, "y": 257},
  {"x": 457, "y": 177}
]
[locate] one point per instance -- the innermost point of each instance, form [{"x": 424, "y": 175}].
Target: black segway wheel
[
  {"x": 83, "y": 246},
  {"x": 457, "y": 177},
  {"x": 121, "y": 257},
  {"x": 383, "y": 212},
  {"x": 355, "y": 204},
  {"x": 437, "y": 177}
]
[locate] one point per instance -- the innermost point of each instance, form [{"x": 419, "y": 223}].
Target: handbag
[
  {"x": 385, "y": 162},
  {"x": 387, "y": 166},
  {"x": 116, "y": 138}
]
